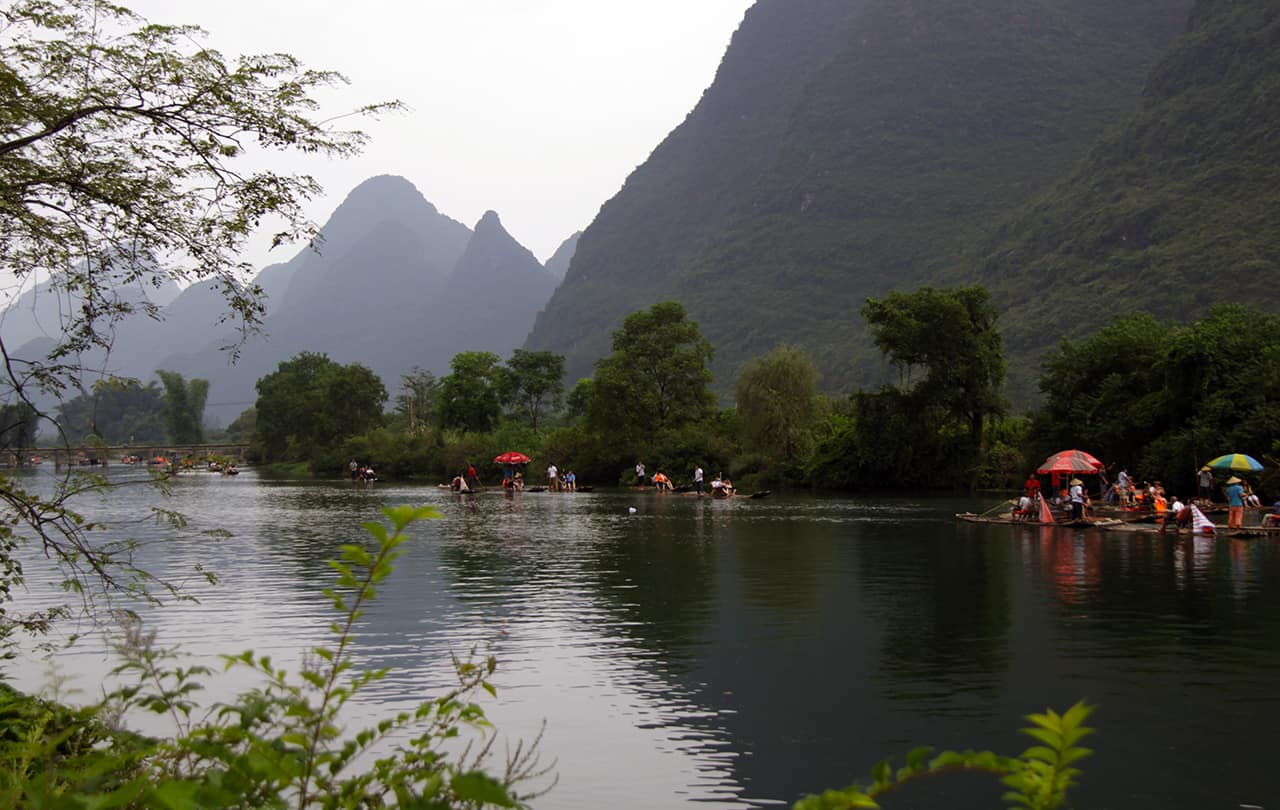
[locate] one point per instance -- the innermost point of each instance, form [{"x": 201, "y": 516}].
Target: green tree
[
  {"x": 657, "y": 376},
  {"x": 777, "y": 402},
  {"x": 18, "y": 426},
  {"x": 1106, "y": 394},
  {"x": 469, "y": 396},
  {"x": 116, "y": 411},
  {"x": 309, "y": 405},
  {"x": 951, "y": 336},
  {"x": 532, "y": 384},
  {"x": 418, "y": 400},
  {"x": 184, "y": 406},
  {"x": 243, "y": 426},
  {"x": 1163, "y": 398},
  {"x": 120, "y": 148},
  {"x": 579, "y": 398}
]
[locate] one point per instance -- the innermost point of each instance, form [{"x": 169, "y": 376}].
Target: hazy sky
[{"x": 537, "y": 109}]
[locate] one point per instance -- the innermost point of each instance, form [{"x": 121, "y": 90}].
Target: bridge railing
[{"x": 103, "y": 455}]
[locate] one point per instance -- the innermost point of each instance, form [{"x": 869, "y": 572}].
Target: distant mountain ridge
[
  {"x": 847, "y": 149},
  {"x": 392, "y": 284},
  {"x": 395, "y": 284},
  {"x": 558, "y": 264},
  {"x": 40, "y": 312}
]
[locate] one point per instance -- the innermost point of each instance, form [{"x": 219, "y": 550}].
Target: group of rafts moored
[{"x": 1112, "y": 518}]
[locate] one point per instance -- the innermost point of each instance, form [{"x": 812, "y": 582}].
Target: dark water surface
[{"x": 744, "y": 653}]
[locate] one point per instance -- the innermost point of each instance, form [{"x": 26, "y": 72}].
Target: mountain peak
[
  {"x": 388, "y": 191},
  {"x": 490, "y": 220}
]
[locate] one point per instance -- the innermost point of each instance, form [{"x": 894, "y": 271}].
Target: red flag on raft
[{"x": 1046, "y": 516}]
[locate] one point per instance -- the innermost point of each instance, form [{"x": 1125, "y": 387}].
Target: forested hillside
[
  {"x": 1177, "y": 209},
  {"x": 846, "y": 149}
]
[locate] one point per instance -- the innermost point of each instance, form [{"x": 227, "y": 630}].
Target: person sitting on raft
[
  {"x": 1272, "y": 518},
  {"x": 721, "y": 487},
  {"x": 661, "y": 482}
]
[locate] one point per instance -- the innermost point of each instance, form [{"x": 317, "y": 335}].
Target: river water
[{"x": 743, "y": 653}]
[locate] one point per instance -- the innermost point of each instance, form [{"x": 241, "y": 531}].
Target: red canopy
[
  {"x": 511, "y": 457},
  {"x": 1070, "y": 461}
]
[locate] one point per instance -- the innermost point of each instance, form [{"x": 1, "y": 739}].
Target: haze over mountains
[{"x": 394, "y": 284}]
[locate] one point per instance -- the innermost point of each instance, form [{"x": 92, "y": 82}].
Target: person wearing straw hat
[
  {"x": 1235, "y": 503},
  {"x": 1076, "y": 494}
]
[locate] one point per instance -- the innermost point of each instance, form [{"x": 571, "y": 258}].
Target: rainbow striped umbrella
[{"x": 1236, "y": 462}]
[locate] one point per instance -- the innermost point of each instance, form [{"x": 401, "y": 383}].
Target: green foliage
[
  {"x": 891, "y": 439},
  {"x": 1163, "y": 398},
  {"x": 120, "y": 168},
  {"x": 656, "y": 377},
  {"x": 105, "y": 179},
  {"x": 281, "y": 744},
  {"x": 470, "y": 397},
  {"x": 184, "y": 407},
  {"x": 532, "y": 384},
  {"x": 777, "y": 403},
  {"x": 117, "y": 411},
  {"x": 310, "y": 405},
  {"x": 1003, "y": 462},
  {"x": 585, "y": 452},
  {"x": 928, "y": 430},
  {"x": 676, "y": 451},
  {"x": 244, "y": 425},
  {"x": 47, "y": 749},
  {"x": 1107, "y": 392},
  {"x": 951, "y": 335},
  {"x": 392, "y": 454},
  {"x": 1174, "y": 211},
  {"x": 418, "y": 402},
  {"x": 18, "y": 425},
  {"x": 1037, "y": 779}
]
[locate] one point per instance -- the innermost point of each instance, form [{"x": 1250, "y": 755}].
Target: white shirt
[
  {"x": 551, "y": 471},
  {"x": 697, "y": 474}
]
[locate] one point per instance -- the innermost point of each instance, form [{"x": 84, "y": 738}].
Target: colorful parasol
[
  {"x": 1070, "y": 461},
  {"x": 1236, "y": 462}
]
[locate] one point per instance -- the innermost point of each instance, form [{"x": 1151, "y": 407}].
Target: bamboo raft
[
  {"x": 1085, "y": 523},
  {"x": 1219, "y": 530}
]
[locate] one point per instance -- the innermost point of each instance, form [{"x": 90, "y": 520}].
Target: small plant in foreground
[
  {"x": 282, "y": 744},
  {"x": 1038, "y": 778}
]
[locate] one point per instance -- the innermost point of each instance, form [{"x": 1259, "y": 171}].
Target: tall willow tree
[
  {"x": 777, "y": 402},
  {"x": 120, "y": 148}
]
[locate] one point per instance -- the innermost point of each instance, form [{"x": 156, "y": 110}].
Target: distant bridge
[{"x": 103, "y": 455}]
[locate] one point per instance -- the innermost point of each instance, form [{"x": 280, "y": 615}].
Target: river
[{"x": 742, "y": 653}]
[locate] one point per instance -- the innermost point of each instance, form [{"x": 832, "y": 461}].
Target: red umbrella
[
  {"x": 1070, "y": 461},
  {"x": 512, "y": 457}
]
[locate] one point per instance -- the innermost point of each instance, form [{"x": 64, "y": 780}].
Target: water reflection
[{"x": 747, "y": 652}]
